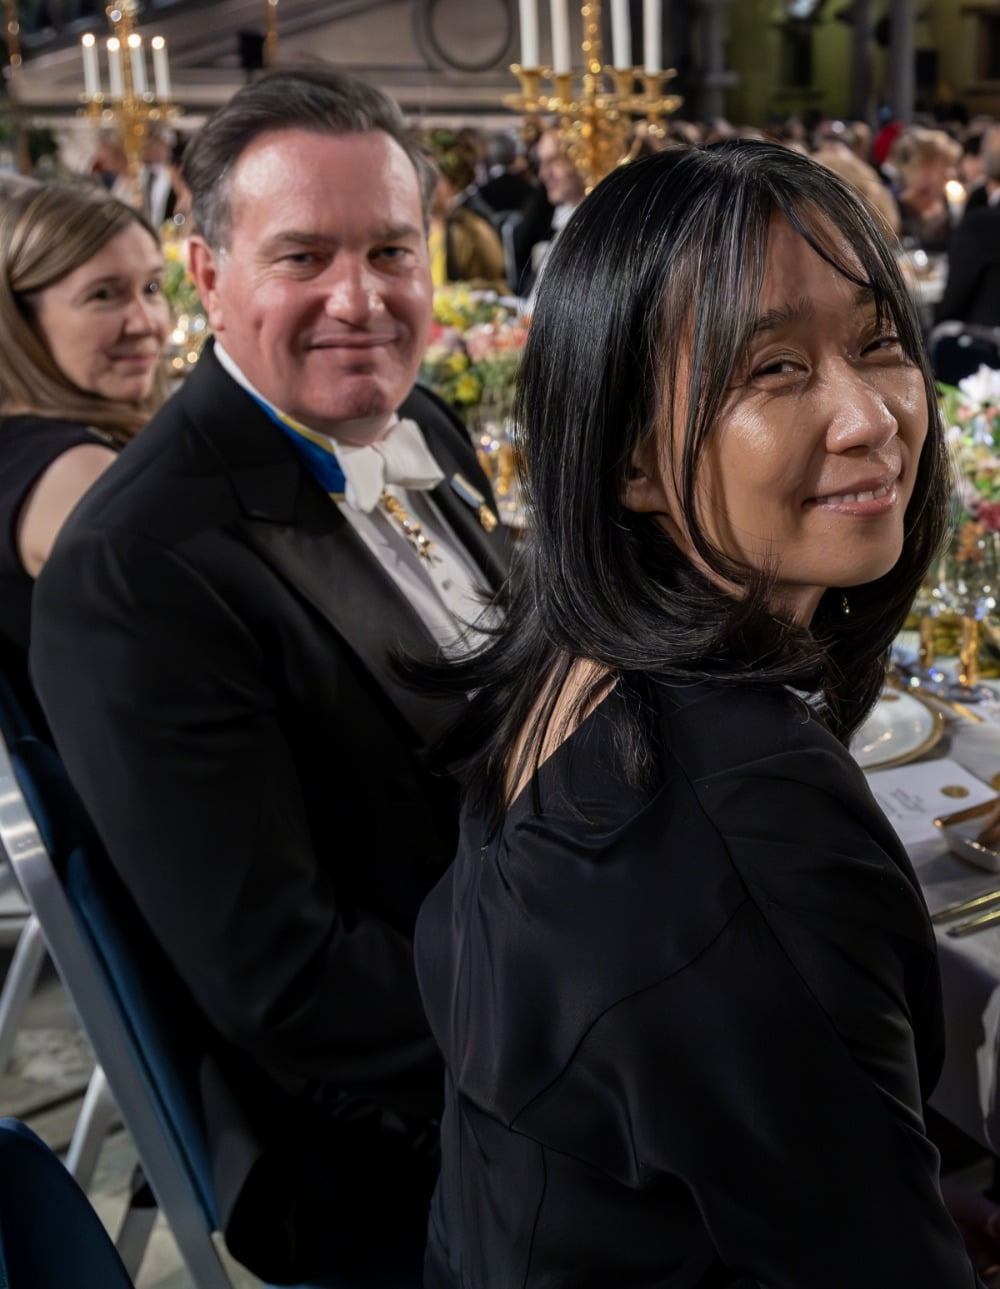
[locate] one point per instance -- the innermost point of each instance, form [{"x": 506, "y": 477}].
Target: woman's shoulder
[
  {"x": 28, "y": 430},
  {"x": 29, "y": 444},
  {"x": 785, "y": 795},
  {"x": 705, "y": 733},
  {"x": 715, "y": 726},
  {"x": 760, "y": 757}
]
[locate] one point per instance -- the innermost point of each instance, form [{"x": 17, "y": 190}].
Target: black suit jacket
[
  {"x": 688, "y": 1028},
  {"x": 213, "y": 647},
  {"x": 972, "y": 293}
]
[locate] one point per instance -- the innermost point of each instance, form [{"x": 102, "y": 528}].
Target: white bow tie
[{"x": 402, "y": 458}]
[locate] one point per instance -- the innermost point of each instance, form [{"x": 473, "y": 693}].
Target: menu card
[{"x": 913, "y": 796}]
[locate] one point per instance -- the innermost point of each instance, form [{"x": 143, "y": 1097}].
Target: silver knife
[
  {"x": 974, "y": 905},
  {"x": 975, "y": 924}
]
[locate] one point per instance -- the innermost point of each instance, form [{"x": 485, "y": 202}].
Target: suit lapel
[
  {"x": 330, "y": 566},
  {"x": 300, "y": 533}
]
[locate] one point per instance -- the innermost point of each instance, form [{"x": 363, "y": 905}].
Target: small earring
[{"x": 845, "y": 606}]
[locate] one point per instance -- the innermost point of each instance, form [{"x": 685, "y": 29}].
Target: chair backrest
[
  {"x": 145, "y": 1035},
  {"x": 50, "y": 1237},
  {"x": 14, "y": 913},
  {"x": 957, "y": 349}
]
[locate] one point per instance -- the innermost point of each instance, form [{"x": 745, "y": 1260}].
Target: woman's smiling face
[
  {"x": 105, "y": 324},
  {"x": 810, "y": 465}
]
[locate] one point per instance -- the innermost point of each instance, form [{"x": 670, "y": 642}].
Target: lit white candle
[
  {"x": 529, "y": 32},
  {"x": 161, "y": 69},
  {"x": 955, "y": 196},
  {"x": 621, "y": 36},
  {"x": 138, "y": 64},
  {"x": 561, "y": 63},
  {"x": 652, "y": 12},
  {"x": 91, "y": 71},
  {"x": 115, "y": 82}
]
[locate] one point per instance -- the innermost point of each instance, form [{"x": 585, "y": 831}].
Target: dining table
[{"x": 955, "y": 763}]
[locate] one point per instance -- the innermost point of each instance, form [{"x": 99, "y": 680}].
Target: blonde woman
[
  {"x": 83, "y": 321},
  {"x": 924, "y": 161}
]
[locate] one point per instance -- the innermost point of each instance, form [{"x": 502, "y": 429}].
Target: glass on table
[
  {"x": 968, "y": 585},
  {"x": 493, "y": 436},
  {"x": 928, "y": 615}
]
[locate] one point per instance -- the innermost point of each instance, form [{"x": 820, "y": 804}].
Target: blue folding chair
[
  {"x": 21, "y": 718},
  {"x": 41, "y": 822},
  {"x": 50, "y": 1237},
  {"x": 18, "y": 926},
  {"x": 161, "y": 1060}
]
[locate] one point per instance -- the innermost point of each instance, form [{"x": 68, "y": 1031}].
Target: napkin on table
[{"x": 913, "y": 796}]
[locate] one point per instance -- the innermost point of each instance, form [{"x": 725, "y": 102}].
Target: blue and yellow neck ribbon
[{"x": 315, "y": 451}]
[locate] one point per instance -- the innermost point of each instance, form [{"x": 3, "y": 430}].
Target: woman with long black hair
[{"x": 681, "y": 970}]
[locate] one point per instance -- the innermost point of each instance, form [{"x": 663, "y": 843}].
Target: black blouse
[
  {"x": 28, "y": 446},
  {"x": 688, "y": 1031}
]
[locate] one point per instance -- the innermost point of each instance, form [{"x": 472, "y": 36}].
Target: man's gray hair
[{"x": 319, "y": 98}]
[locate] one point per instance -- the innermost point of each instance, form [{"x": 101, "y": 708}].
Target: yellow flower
[
  {"x": 458, "y": 362},
  {"x": 467, "y": 389}
]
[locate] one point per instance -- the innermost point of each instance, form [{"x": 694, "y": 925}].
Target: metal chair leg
[
  {"x": 98, "y": 1114},
  {"x": 22, "y": 977},
  {"x": 137, "y": 1224}
]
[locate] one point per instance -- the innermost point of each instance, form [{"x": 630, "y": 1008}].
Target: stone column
[
  {"x": 710, "y": 43},
  {"x": 861, "y": 61},
  {"x": 901, "y": 54}
]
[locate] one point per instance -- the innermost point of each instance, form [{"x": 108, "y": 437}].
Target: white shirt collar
[{"x": 400, "y": 457}]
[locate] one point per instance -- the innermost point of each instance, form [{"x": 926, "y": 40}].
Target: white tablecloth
[{"x": 967, "y": 1094}]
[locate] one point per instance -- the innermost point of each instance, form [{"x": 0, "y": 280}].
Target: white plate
[{"x": 900, "y": 728}]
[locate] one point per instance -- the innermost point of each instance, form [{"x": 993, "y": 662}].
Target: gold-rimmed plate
[{"x": 901, "y": 727}]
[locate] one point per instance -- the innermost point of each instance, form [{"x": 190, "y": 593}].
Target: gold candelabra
[
  {"x": 12, "y": 34},
  {"x": 271, "y": 37},
  {"x": 595, "y": 122},
  {"x": 130, "y": 105}
]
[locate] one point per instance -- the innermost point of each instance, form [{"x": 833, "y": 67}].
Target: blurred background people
[
  {"x": 970, "y": 165},
  {"x": 972, "y": 291},
  {"x": 924, "y": 160},
  {"x": 832, "y": 148},
  {"x": 157, "y": 176},
  {"x": 464, "y": 245},
  {"x": 509, "y": 184},
  {"x": 109, "y": 165},
  {"x": 548, "y": 215}
]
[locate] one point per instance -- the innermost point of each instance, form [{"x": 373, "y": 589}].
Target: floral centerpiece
[
  {"x": 474, "y": 352},
  {"x": 971, "y": 414},
  {"x": 190, "y": 327},
  {"x": 472, "y": 362},
  {"x": 964, "y": 584},
  {"x": 177, "y": 284}
]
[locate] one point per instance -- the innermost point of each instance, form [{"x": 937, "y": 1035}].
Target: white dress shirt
[{"x": 448, "y": 593}]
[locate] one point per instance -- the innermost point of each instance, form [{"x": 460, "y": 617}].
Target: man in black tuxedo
[
  {"x": 972, "y": 292},
  {"x": 214, "y": 647},
  {"x": 545, "y": 218}
]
